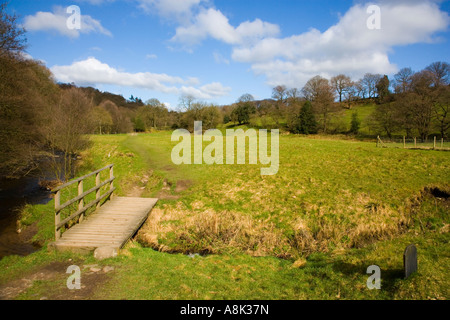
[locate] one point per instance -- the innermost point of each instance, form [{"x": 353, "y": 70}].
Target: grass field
[{"x": 226, "y": 232}]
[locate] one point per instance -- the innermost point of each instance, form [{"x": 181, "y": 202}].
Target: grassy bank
[{"x": 309, "y": 232}]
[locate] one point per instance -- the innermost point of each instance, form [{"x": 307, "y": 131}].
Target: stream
[{"x": 14, "y": 194}]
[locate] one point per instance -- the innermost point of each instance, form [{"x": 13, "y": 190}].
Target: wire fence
[{"x": 433, "y": 143}]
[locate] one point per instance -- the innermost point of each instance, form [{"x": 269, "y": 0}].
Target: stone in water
[{"x": 410, "y": 260}]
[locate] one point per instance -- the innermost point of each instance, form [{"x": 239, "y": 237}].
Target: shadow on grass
[{"x": 389, "y": 278}]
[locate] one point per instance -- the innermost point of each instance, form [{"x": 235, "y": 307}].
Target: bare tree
[
  {"x": 102, "y": 120},
  {"x": 280, "y": 94},
  {"x": 186, "y": 101},
  {"x": 121, "y": 122},
  {"x": 403, "y": 80},
  {"x": 247, "y": 97},
  {"x": 319, "y": 91},
  {"x": 419, "y": 102},
  {"x": 360, "y": 89},
  {"x": 352, "y": 93},
  {"x": 440, "y": 73},
  {"x": 341, "y": 83},
  {"x": 65, "y": 125},
  {"x": 370, "y": 81},
  {"x": 12, "y": 36},
  {"x": 314, "y": 87}
]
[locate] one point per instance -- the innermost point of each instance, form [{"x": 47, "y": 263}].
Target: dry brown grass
[
  {"x": 203, "y": 230},
  {"x": 354, "y": 221}
]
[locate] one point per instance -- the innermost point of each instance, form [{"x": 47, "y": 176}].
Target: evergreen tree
[
  {"x": 383, "y": 89},
  {"x": 355, "y": 124},
  {"x": 307, "y": 120}
]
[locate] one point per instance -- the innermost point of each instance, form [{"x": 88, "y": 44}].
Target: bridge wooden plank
[{"x": 111, "y": 225}]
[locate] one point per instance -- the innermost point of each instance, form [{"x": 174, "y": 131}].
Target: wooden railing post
[
  {"x": 97, "y": 183},
  {"x": 82, "y": 208},
  {"x": 57, "y": 214},
  {"x": 111, "y": 176},
  {"x": 81, "y": 201}
]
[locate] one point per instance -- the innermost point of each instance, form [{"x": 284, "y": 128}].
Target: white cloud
[
  {"x": 180, "y": 10},
  {"x": 348, "y": 47},
  {"x": 57, "y": 21},
  {"x": 213, "y": 23},
  {"x": 93, "y": 72},
  {"x": 151, "y": 56}
]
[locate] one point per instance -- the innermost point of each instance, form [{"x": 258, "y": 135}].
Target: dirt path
[{"x": 50, "y": 282}]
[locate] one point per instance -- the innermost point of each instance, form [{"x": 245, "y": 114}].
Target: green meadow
[{"x": 334, "y": 208}]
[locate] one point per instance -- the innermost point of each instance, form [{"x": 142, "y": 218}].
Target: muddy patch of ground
[
  {"x": 183, "y": 185},
  {"x": 137, "y": 190},
  {"x": 92, "y": 278},
  {"x": 180, "y": 186},
  {"x": 12, "y": 289},
  {"x": 169, "y": 168}
]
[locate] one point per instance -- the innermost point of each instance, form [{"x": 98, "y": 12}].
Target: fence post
[
  {"x": 415, "y": 142},
  {"x": 434, "y": 143},
  {"x": 442, "y": 143},
  {"x": 404, "y": 142},
  {"x": 378, "y": 140},
  {"x": 81, "y": 201},
  {"x": 111, "y": 176},
  {"x": 57, "y": 214},
  {"x": 97, "y": 194}
]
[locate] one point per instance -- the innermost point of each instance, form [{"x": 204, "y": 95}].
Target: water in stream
[{"x": 14, "y": 194}]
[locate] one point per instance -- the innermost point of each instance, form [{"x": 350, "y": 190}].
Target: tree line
[{"x": 413, "y": 103}]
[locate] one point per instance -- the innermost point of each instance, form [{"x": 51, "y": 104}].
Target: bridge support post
[
  {"x": 97, "y": 194},
  {"x": 111, "y": 176},
  {"x": 57, "y": 214},
  {"x": 81, "y": 201}
]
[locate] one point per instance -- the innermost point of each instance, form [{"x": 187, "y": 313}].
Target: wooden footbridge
[{"x": 114, "y": 221}]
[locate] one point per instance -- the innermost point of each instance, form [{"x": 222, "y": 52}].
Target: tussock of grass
[
  {"x": 178, "y": 229},
  {"x": 198, "y": 229}
]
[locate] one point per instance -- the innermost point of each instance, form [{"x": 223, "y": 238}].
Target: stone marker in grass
[{"x": 410, "y": 260}]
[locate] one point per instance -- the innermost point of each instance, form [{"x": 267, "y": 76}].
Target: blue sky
[{"x": 217, "y": 50}]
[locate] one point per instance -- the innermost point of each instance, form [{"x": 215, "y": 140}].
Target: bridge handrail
[{"x": 81, "y": 195}]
